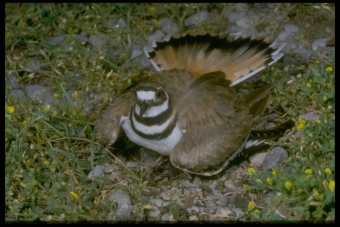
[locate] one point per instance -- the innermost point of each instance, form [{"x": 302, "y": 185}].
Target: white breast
[{"x": 161, "y": 146}]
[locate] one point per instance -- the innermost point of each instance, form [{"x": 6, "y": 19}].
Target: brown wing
[
  {"x": 200, "y": 54},
  {"x": 108, "y": 123},
  {"x": 209, "y": 101},
  {"x": 204, "y": 151},
  {"x": 216, "y": 124}
]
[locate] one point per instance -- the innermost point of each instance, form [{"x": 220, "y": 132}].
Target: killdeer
[{"x": 188, "y": 109}]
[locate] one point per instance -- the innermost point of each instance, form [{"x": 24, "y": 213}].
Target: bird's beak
[{"x": 143, "y": 107}]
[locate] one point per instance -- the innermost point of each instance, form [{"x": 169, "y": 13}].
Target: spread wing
[{"x": 238, "y": 58}]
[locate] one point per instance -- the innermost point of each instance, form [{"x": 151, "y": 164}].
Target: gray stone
[
  {"x": 196, "y": 18},
  {"x": 274, "y": 158},
  {"x": 165, "y": 217},
  {"x": 224, "y": 211},
  {"x": 121, "y": 23},
  {"x": 81, "y": 37},
  {"x": 303, "y": 52},
  {"x": 157, "y": 36},
  {"x": 188, "y": 184},
  {"x": 131, "y": 164},
  {"x": 32, "y": 66},
  {"x": 55, "y": 41},
  {"x": 193, "y": 218},
  {"x": 257, "y": 159},
  {"x": 97, "y": 41},
  {"x": 12, "y": 81},
  {"x": 97, "y": 171},
  {"x": 137, "y": 55},
  {"x": 41, "y": 93},
  {"x": 156, "y": 202},
  {"x": 168, "y": 26},
  {"x": 223, "y": 200},
  {"x": 17, "y": 93},
  {"x": 270, "y": 125},
  {"x": 124, "y": 207},
  {"x": 292, "y": 28},
  {"x": 235, "y": 16},
  {"x": 154, "y": 212},
  {"x": 248, "y": 21},
  {"x": 320, "y": 43},
  {"x": 311, "y": 116}
]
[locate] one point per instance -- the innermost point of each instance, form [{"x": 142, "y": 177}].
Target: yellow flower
[
  {"x": 308, "y": 171},
  {"x": 309, "y": 85},
  {"x": 74, "y": 195},
  {"x": 151, "y": 10},
  {"x": 251, "y": 170},
  {"x": 288, "y": 185},
  {"x": 55, "y": 95},
  {"x": 10, "y": 109},
  {"x": 302, "y": 123},
  {"x": 46, "y": 162},
  {"x": 251, "y": 206},
  {"x": 75, "y": 95},
  {"x": 300, "y": 190},
  {"x": 324, "y": 98},
  {"x": 331, "y": 185},
  {"x": 269, "y": 181},
  {"x": 24, "y": 122},
  {"x": 274, "y": 172},
  {"x": 328, "y": 171},
  {"x": 316, "y": 194},
  {"x": 46, "y": 108},
  {"x": 329, "y": 69}
]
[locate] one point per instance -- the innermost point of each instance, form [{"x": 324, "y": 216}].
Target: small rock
[
  {"x": 223, "y": 200},
  {"x": 121, "y": 23},
  {"x": 156, "y": 202},
  {"x": 320, "y": 43},
  {"x": 248, "y": 21},
  {"x": 196, "y": 18},
  {"x": 98, "y": 41},
  {"x": 40, "y": 93},
  {"x": 107, "y": 168},
  {"x": 157, "y": 36},
  {"x": 55, "y": 41},
  {"x": 229, "y": 184},
  {"x": 124, "y": 207},
  {"x": 311, "y": 116},
  {"x": 81, "y": 37},
  {"x": 12, "y": 81},
  {"x": 165, "y": 217},
  {"x": 258, "y": 159},
  {"x": 274, "y": 158},
  {"x": 292, "y": 28},
  {"x": 97, "y": 171},
  {"x": 235, "y": 16},
  {"x": 303, "y": 52},
  {"x": 168, "y": 26},
  {"x": 32, "y": 66},
  {"x": 193, "y": 218},
  {"x": 224, "y": 212},
  {"x": 154, "y": 212},
  {"x": 19, "y": 94},
  {"x": 131, "y": 164}
]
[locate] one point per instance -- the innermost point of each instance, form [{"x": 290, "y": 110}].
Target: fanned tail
[{"x": 239, "y": 58}]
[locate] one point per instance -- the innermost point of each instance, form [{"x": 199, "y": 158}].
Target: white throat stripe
[{"x": 146, "y": 95}]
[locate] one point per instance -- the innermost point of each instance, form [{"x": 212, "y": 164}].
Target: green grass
[{"x": 47, "y": 149}]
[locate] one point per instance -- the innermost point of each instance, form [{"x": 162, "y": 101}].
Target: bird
[{"x": 188, "y": 108}]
